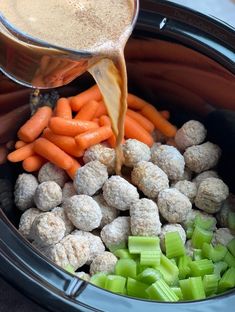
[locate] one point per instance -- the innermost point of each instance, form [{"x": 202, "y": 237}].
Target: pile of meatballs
[{"x": 162, "y": 189}]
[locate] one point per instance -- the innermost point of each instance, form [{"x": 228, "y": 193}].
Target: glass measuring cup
[{"x": 38, "y": 64}]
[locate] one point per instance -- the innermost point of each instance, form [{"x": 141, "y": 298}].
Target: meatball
[
  {"x": 103, "y": 154},
  {"x": 202, "y": 157},
  {"x": 187, "y": 188},
  {"x": 48, "y": 195},
  {"x": 47, "y": 229},
  {"x": 204, "y": 175},
  {"x": 119, "y": 193},
  {"x": 84, "y": 212},
  {"x": 135, "y": 151},
  {"x": 145, "y": 218},
  {"x": 211, "y": 195},
  {"x": 71, "y": 250},
  {"x": 173, "y": 205},
  {"x": 50, "y": 172},
  {"x": 25, "y": 188},
  {"x": 187, "y": 175},
  {"x": 222, "y": 236},
  {"x": 103, "y": 263},
  {"x": 26, "y": 221},
  {"x": 60, "y": 213},
  {"x": 227, "y": 208},
  {"x": 116, "y": 233},
  {"x": 149, "y": 178},
  {"x": 203, "y": 215},
  {"x": 191, "y": 133},
  {"x": 171, "y": 228},
  {"x": 68, "y": 191},
  {"x": 95, "y": 244},
  {"x": 90, "y": 178},
  {"x": 108, "y": 213},
  {"x": 169, "y": 159},
  {"x": 84, "y": 276}
]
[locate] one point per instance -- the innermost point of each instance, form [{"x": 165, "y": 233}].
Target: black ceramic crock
[{"x": 202, "y": 43}]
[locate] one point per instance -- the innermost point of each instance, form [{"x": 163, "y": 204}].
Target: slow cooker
[{"x": 178, "y": 59}]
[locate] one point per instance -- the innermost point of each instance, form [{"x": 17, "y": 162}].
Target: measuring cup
[{"x": 38, "y": 64}]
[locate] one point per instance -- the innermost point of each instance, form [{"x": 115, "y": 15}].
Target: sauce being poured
[{"x": 99, "y": 27}]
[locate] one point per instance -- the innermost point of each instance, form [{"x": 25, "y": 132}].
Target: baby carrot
[
  {"x": 102, "y": 110},
  {"x": 35, "y": 125},
  {"x": 135, "y": 102},
  {"x": 72, "y": 171},
  {"x": 19, "y": 144},
  {"x": 88, "y": 111},
  {"x": 79, "y": 100},
  {"x": 53, "y": 153},
  {"x": 70, "y": 127},
  {"x": 159, "y": 122},
  {"x": 33, "y": 163},
  {"x": 105, "y": 121},
  {"x": 112, "y": 141},
  {"x": 144, "y": 122},
  {"x": 66, "y": 143},
  {"x": 133, "y": 130},
  {"x": 21, "y": 153},
  {"x": 165, "y": 114},
  {"x": 63, "y": 109},
  {"x": 93, "y": 137}
]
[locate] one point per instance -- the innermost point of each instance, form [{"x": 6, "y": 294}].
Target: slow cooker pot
[{"x": 177, "y": 59}]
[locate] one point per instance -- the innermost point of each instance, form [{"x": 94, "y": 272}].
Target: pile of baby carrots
[{"x": 62, "y": 135}]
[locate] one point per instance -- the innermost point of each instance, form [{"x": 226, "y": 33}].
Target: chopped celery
[
  {"x": 207, "y": 250},
  {"x": 228, "y": 280},
  {"x": 185, "y": 289},
  {"x": 69, "y": 268},
  {"x": 229, "y": 259},
  {"x": 138, "y": 244},
  {"x": 201, "y": 267},
  {"x": 215, "y": 254},
  {"x": 124, "y": 254},
  {"x": 174, "y": 245},
  {"x": 161, "y": 291},
  {"x": 126, "y": 268},
  {"x": 197, "y": 254},
  {"x": 204, "y": 223},
  {"x": 99, "y": 279},
  {"x": 219, "y": 268},
  {"x": 231, "y": 220},
  {"x": 149, "y": 276},
  {"x": 189, "y": 232},
  {"x": 173, "y": 260},
  {"x": 231, "y": 247},
  {"x": 140, "y": 268},
  {"x": 192, "y": 288},
  {"x": 210, "y": 283},
  {"x": 150, "y": 257},
  {"x": 136, "y": 288},
  {"x": 115, "y": 284},
  {"x": 178, "y": 292},
  {"x": 183, "y": 265},
  {"x": 169, "y": 270},
  {"x": 201, "y": 236}
]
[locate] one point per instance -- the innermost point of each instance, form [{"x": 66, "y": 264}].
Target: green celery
[
  {"x": 219, "y": 268},
  {"x": 231, "y": 247},
  {"x": 115, "y": 283},
  {"x": 207, "y": 250},
  {"x": 215, "y": 254},
  {"x": 161, "y": 291},
  {"x": 204, "y": 223},
  {"x": 170, "y": 271},
  {"x": 197, "y": 254},
  {"x": 150, "y": 257},
  {"x": 124, "y": 254},
  {"x": 140, "y": 268},
  {"x": 189, "y": 232},
  {"x": 99, "y": 279},
  {"x": 185, "y": 289},
  {"x": 192, "y": 288},
  {"x": 231, "y": 220},
  {"x": 178, "y": 292},
  {"x": 136, "y": 288},
  {"x": 229, "y": 259},
  {"x": 201, "y": 236},
  {"x": 69, "y": 268},
  {"x": 126, "y": 268},
  {"x": 228, "y": 280},
  {"x": 174, "y": 245},
  {"x": 138, "y": 244},
  {"x": 183, "y": 265},
  {"x": 149, "y": 276},
  {"x": 201, "y": 267},
  {"x": 210, "y": 283}
]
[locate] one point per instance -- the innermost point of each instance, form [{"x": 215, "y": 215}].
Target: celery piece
[
  {"x": 218, "y": 253},
  {"x": 161, "y": 291},
  {"x": 69, "y": 268},
  {"x": 185, "y": 289},
  {"x": 201, "y": 236},
  {"x": 150, "y": 257},
  {"x": 201, "y": 267},
  {"x": 138, "y": 244},
  {"x": 231, "y": 247},
  {"x": 189, "y": 232},
  {"x": 178, "y": 292},
  {"x": 184, "y": 268},
  {"x": 197, "y": 254},
  {"x": 140, "y": 268},
  {"x": 115, "y": 283},
  {"x": 170, "y": 271},
  {"x": 173, "y": 260},
  {"x": 219, "y": 268},
  {"x": 210, "y": 283},
  {"x": 124, "y": 254},
  {"x": 229, "y": 259},
  {"x": 231, "y": 220},
  {"x": 99, "y": 279},
  {"x": 207, "y": 250},
  {"x": 174, "y": 245},
  {"x": 126, "y": 268},
  {"x": 149, "y": 276},
  {"x": 204, "y": 223},
  {"x": 192, "y": 288},
  {"x": 136, "y": 288},
  {"x": 228, "y": 280}
]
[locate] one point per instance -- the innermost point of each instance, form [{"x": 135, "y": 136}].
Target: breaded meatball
[
  {"x": 47, "y": 229},
  {"x": 119, "y": 193},
  {"x": 187, "y": 175},
  {"x": 135, "y": 151},
  {"x": 103, "y": 263},
  {"x": 26, "y": 221},
  {"x": 202, "y": 157},
  {"x": 173, "y": 205},
  {"x": 90, "y": 178},
  {"x": 145, "y": 218},
  {"x": 60, "y": 213},
  {"x": 68, "y": 191},
  {"x": 103, "y": 154},
  {"x": 95, "y": 244},
  {"x": 204, "y": 175},
  {"x": 191, "y": 133},
  {"x": 203, "y": 215},
  {"x": 170, "y": 160},
  {"x": 227, "y": 208},
  {"x": 158, "y": 137},
  {"x": 71, "y": 250},
  {"x": 149, "y": 178},
  {"x": 48, "y": 195},
  {"x": 84, "y": 276},
  {"x": 211, "y": 195},
  {"x": 83, "y": 211},
  {"x": 116, "y": 233},
  {"x": 25, "y": 188},
  {"x": 222, "y": 236},
  {"x": 187, "y": 188},
  {"x": 50, "y": 172},
  {"x": 108, "y": 213},
  {"x": 168, "y": 228}
]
